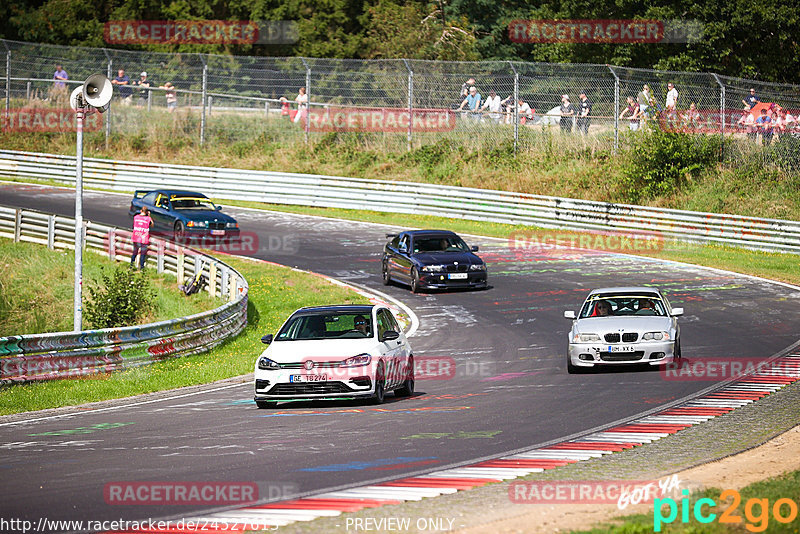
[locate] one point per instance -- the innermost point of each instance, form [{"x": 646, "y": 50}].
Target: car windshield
[
  {"x": 440, "y": 244},
  {"x": 623, "y": 305},
  {"x": 192, "y": 203},
  {"x": 327, "y": 326}
]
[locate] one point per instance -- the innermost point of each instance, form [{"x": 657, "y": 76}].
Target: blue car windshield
[
  {"x": 440, "y": 244},
  {"x": 327, "y": 326},
  {"x": 193, "y": 203}
]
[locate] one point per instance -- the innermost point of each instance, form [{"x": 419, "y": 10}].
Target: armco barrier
[
  {"x": 64, "y": 354},
  {"x": 405, "y": 197}
]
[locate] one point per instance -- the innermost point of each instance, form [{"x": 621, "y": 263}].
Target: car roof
[
  {"x": 338, "y": 308},
  {"x": 430, "y": 233},
  {"x": 178, "y": 192},
  {"x": 631, "y": 289}
]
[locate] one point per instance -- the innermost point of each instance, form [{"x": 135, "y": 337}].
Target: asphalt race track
[{"x": 510, "y": 388}]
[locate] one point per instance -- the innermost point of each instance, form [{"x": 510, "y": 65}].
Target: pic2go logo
[{"x": 756, "y": 511}]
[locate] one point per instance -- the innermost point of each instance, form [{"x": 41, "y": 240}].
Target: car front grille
[
  {"x": 630, "y": 337},
  {"x": 612, "y": 338},
  {"x": 317, "y": 365},
  {"x": 460, "y": 268},
  {"x": 622, "y": 356},
  {"x": 309, "y": 388},
  {"x": 216, "y": 225}
]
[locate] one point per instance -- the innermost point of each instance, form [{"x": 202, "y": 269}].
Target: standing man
[
  {"x": 144, "y": 92},
  {"x": 583, "y": 113},
  {"x": 141, "y": 236},
  {"x": 473, "y": 103},
  {"x": 125, "y": 91},
  {"x": 494, "y": 104},
  {"x": 751, "y": 100},
  {"x": 764, "y": 125},
  {"x": 671, "y": 107},
  {"x": 60, "y": 76},
  {"x": 567, "y": 112}
]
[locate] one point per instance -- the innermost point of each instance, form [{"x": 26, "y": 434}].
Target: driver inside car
[{"x": 361, "y": 325}]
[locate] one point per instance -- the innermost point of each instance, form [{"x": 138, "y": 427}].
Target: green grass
[
  {"x": 275, "y": 292},
  {"x": 37, "y": 285},
  {"x": 786, "y": 486}
]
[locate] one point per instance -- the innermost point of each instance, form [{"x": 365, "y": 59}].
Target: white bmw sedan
[
  {"x": 623, "y": 325},
  {"x": 335, "y": 352}
]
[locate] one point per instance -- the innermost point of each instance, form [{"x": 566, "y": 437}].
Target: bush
[
  {"x": 121, "y": 300},
  {"x": 659, "y": 163}
]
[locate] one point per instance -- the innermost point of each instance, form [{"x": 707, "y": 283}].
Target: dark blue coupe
[
  {"x": 432, "y": 259},
  {"x": 184, "y": 215}
]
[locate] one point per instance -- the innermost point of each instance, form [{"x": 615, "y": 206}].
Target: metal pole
[
  {"x": 8, "y": 80},
  {"x": 516, "y": 105},
  {"x": 721, "y": 115},
  {"x": 203, "y": 98},
  {"x": 616, "y": 108},
  {"x": 308, "y": 96},
  {"x": 108, "y": 111},
  {"x": 77, "y": 302},
  {"x": 410, "y": 104}
]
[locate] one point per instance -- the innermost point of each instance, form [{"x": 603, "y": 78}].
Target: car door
[
  {"x": 402, "y": 260},
  {"x": 160, "y": 213},
  {"x": 390, "y": 349},
  {"x": 403, "y": 348}
]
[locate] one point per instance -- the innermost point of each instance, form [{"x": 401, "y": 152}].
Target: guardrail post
[
  {"x": 721, "y": 116},
  {"x": 234, "y": 287},
  {"x": 308, "y": 97},
  {"x": 160, "y": 245},
  {"x": 180, "y": 275},
  {"x": 112, "y": 244},
  {"x": 203, "y": 98},
  {"x": 212, "y": 279},
  {"x": 516, "y": 103},
  {"x": 17, "y": 224},
  {"x": 616, "y": 108},
  {"x": 51, "y": 232},
  {"x": 224, "y": 277},
  {"x": 410, "y": 104}
]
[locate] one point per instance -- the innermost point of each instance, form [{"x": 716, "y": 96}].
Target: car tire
[
  {"x": 678, "y": 354},
  {"x": 385, "y": 275},
  {"x": 573, "y": 369},
  {"x": 414, "y": 280},
  {"x": 407, "y": 389},
  {"x": 180, "y": 231},
  {"x": 380, "y": 386},
  {"x": 265, "y": 404}
]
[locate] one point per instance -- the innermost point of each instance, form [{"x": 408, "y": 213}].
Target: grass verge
[
  {"x": 36, "y": 289},
  {"x": 275, "y": 292}
]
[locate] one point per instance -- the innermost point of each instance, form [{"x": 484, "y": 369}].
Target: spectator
[
  {"x": 751, "y": 100},
  {"x": 473, "y": 103},
  {"x": 691, "y": 119},
  {"x": 144, "y": 91},
  {"x": 60, "y": 76},
  {"x": 508, "y": 108},
  {"x": 764, "y": 125},
  {"x": 172, "y": 97},
  {"x": 125, "y": 91},
  {"x": 465, "y": 88},
  {"x": 748, "y": 123},
  {"x": 790, "y": 121},
  {"x": 494, "y": 104},
  {"x": 141, "y": 236},
  {"x": 524, "y": 112},
  {"x": 671, "y": 107},
  {"x": 567, "y": 114},
  {"x": 584, "y": 112},
  {"x": 643, "y": 99},
  {"x": 302, "y": 104},
  {"x": 285, "y": 107},
  {"x": 633, "y": 112}
]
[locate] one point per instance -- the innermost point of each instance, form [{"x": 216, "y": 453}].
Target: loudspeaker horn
[
  {"x": 97, "y": 91},
  {"x": 75, "y": 97}
]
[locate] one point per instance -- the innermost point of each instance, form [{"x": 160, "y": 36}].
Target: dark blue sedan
[
  {"x": 432, "y": 259},
  {"x": 184, "y": 215}
]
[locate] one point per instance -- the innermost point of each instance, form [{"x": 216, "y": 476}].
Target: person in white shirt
[
  {"x": 525, "y": 112},
  {"x": 494, "y": 104},
  {"x": 302, "y": 104}
]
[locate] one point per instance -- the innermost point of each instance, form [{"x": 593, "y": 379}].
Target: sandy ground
[{"x": 777, "y": 456}]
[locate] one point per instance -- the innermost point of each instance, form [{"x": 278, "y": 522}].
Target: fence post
[
  {"x": 516, "y": 103},
  {"x": 616, "y": 108},
  {"x": 410, "y": 104},
  {"x": 308, "y": 96},
  {"x": 210, "y": 104},
  {"x": 28, "y": 91},
  {"x": 108, "y": 111},
  {"x": 721, "y": 116},
  {"x": 203, "y": 98},
  {"x": 8, "y": 79}
]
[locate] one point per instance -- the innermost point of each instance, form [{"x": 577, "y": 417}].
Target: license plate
[
  {"x": 621, "y": 348},
  {"x": 457, "y": 276},
  {"x": 308, "y": 378},
  {"x": 217, "y": 232}
]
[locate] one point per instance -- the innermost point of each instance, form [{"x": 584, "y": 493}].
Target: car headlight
[
  {"x": 357, "y": 361},
  {"x": 197, "y": 224},
  {"x": 232, "y": 225},
  {"x": 433, "y": 268},
  {"x": 265, "y": 364},
  {"x": 477, "y": 267},
  {"x": 655, "y": 336},
  {"x": 585, "y": 338}
]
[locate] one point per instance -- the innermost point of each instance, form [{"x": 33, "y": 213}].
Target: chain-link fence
[{"x": 403, "y": 104}]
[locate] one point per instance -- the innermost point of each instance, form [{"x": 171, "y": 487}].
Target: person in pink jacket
[{"x": 141, "y": 236}]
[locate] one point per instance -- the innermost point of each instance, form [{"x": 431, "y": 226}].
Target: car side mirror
[
  {"x": 402, "y": 248},
  {"x": 569, "y": 314},
  {"x": 474, "y": 248},
  {"x": 677, "y": 312},
  {"x": 217, "y": 208},
  {"x": 389, "y": 335},
  {"x": 266, "y": 340}
]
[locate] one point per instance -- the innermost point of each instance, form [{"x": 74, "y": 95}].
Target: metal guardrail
[
  {"x": 405, "y": 197},
  {"x": 64, "y": 354}
]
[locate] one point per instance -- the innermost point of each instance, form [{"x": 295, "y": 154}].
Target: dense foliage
[
  {"x": 740, "y": 39},
  {"x": 121, "y": 299}
]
